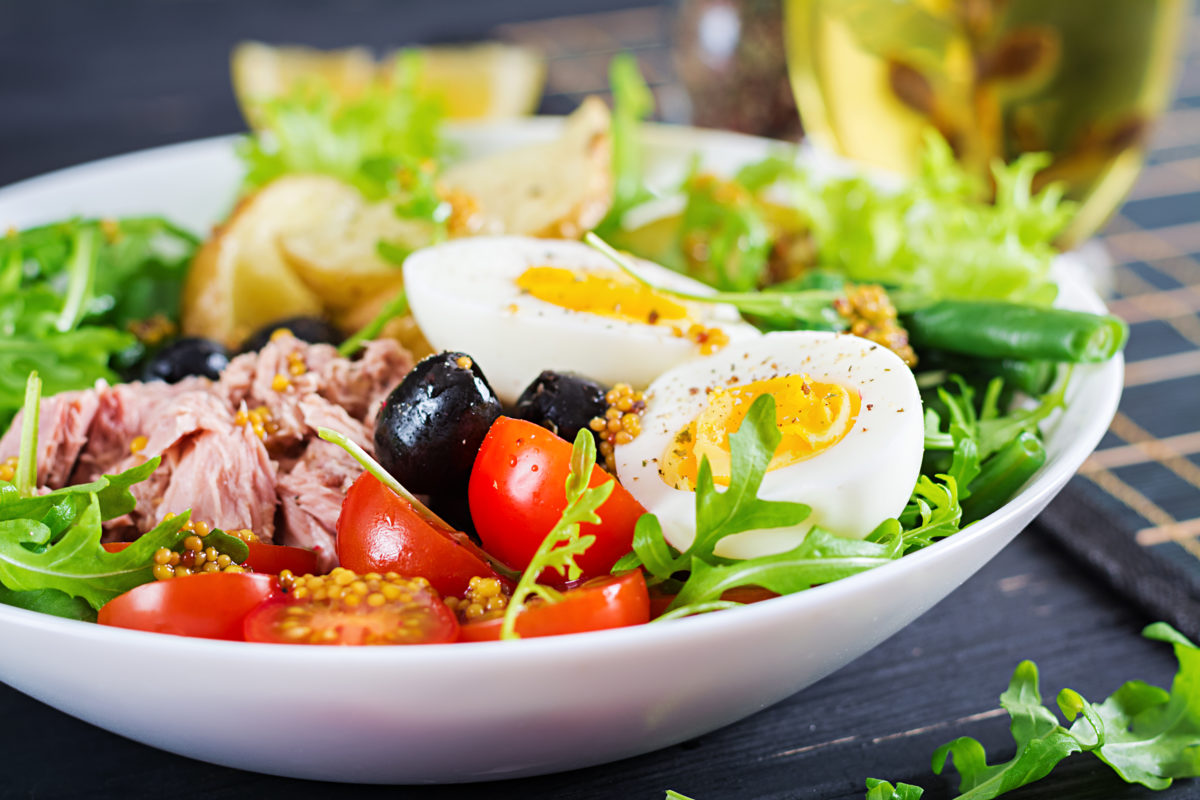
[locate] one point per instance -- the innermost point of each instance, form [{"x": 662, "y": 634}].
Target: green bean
[
  {"x": 1031, "y": 377},
  {"x": 1007, "y": 330},
  {"x": 1002, "y": 475}
]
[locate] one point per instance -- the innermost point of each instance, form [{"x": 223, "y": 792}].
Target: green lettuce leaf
[
  {"x": 76, "y": 563},
  {"x": 379, "y": 141},
  {"x": 937, "y": 236}
]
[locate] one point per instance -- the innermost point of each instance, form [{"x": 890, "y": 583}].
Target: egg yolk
[
  {"x": 811, "y": 417},
  {"x": 607, "y": 293}
]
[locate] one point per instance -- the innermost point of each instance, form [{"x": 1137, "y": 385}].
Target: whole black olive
[
  {"x": 313, "y": 330},
  {"x": 190, "y": 355},
  {"x": 562, "y": 402},
  {"x": 433, "y": 423}
]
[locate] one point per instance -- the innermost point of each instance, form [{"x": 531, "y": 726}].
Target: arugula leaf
[
  {"x": 933, "y": 512},
  {"x": 1153, "y": 736},
  {"x": 821, "y": 558},
  {"x": 738, "y": 508},
  {"x": 49, "y": 601},
  {"x": 1041, "y": 742},
  {"x": 111, "y": 493},
  {"x": 76, "y": 564},
  {"x": 70, "y": 291},
  {"x": 882, "y": 790},
  {"x": 726, "y": 222},
  {"x": 563, "y": 543}
]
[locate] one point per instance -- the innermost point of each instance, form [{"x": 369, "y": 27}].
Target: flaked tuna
[{"x": 213, "y": 459}]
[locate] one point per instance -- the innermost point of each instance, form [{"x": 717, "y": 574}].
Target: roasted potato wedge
[
  {"x": 240, "y": 280},
  {"x": 558, "y": 189},
  {"x": 338, "y": 257}
]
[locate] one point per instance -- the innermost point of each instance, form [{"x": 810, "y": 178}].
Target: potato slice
[
  {"x": 558, "y": 189},
  {"x": 239, "y": 280},
  {"x": 338, "y": 257}
]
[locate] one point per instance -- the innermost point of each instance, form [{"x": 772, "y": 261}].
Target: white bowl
[{"x": 466, "y": 712}]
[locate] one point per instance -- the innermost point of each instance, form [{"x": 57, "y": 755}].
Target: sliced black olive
[
  {"x": 190, "y": 355},
  {"x": 562, "y": 402},
  {"x": 433, "y": 423},
  {"x": 313, "y": 330}
]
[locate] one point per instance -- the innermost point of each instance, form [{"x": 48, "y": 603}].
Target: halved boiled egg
[
  {"x": 849, "y": 414},
  {"x": 521, "y": 305}
]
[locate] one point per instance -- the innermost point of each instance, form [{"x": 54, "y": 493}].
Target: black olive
[
  {"x": 433, "y": 423},
  {"x": 313, "y": 330},
  {"x": 190, "y": 355},
  {"x": 562, "y": 402}
]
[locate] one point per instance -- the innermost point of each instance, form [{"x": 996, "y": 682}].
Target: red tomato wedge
[
  {"x": 739, "y": 594},
  {"x": 275, "y": 558},
  {"x": 209, "y": 606},
  {"x": 612, "y": 602},
  {"x": 268, "y": 558},
  {"x": 346, "y": 609},
  {"x": 517, "y": 495},
  {"x": 378, "y": 531}
]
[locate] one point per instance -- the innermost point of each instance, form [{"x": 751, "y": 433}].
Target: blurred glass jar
[
  {"x": 730, "y": 56},
  {"x": 1080, "y": 79}
]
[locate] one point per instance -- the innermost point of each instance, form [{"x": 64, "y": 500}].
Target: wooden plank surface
[{"x": 76, "y": 85}]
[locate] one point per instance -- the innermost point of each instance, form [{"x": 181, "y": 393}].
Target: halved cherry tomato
[
  {"x": 517, "y": 495},
  {"x": 275, "y": 558},
  {"x": 739, "y": 594},
  {"x": 346, "y": 609},
  {"x": 612, "y": 602},
  {"x": 209, "y": 605},
  {"x": 267, "y": 558},
  {"x": 378, "y": 531}
]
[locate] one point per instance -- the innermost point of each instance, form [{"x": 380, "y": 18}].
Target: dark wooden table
[{"x": 80, "y": 81}]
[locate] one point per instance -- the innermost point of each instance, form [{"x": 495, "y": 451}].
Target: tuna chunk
[
  {"x": 213, "y": 461},
  {"x": 63, "y": 424}
]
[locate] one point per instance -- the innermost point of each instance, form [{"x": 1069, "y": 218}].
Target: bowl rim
[{"x": 1107, "y": 376}]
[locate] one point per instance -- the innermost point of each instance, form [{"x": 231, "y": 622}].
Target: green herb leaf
[
  {"x": 227, "y": 544},
  {"x": 1153, "y": 736},
  {"x": 396, "y": 307},
  {"x": 821, "y": 558},
  {"x": 738, "y": 508},
  {"x": 882, "y": 790},
  {"x": 563, "y": 543},
  {"x": 371, "y": 140},
  {"x": 76, "y": 564},
  {"x": 803, "y": 308},
  {"x": 632, "y": 103},
  {"x": 937, "y": 236},
  {"x": 49, "y": 601},
  {"x": 1041, "y": 741}
]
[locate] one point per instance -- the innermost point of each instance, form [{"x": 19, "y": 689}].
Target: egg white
[
  {"x": 464, "y": 297},
  {"x": 852, "y": 486}
]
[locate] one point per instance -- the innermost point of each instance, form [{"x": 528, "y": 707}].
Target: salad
[{"x": 402, "y": 398}]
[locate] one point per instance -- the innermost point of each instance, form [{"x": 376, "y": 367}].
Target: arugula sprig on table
[
  {"x": 822, "y": 556},
  {"x": 1148, "y": 735}
]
